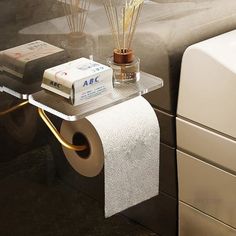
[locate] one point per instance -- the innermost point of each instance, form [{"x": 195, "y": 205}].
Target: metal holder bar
[
  {"x": 14, "y": 108},
  {"x": 57, "y": 135}
]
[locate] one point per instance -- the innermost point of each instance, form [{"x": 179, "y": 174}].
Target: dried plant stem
[
  {"x": 110, "y": 22},
  {"x": 130, "y": 28},
  {"x": 118, "y": 29},
  {"x": 123, "y": 21},
  {"x": 124, "y": 15},
  {"x": 135, "y": 25},
  {"x": 85, "y": 15},
  {"x": 76, "y": 12}
]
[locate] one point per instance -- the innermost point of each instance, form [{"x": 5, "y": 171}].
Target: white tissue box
[
  {"x": 27, "y": 62},
  {"x": 79, "y": 81}
]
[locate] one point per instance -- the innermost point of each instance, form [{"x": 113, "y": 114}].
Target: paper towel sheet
[
  {"x": 127, "y": 136},
  {"x": 131, "y": 150}
]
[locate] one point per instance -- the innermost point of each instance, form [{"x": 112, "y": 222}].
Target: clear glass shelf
[
  {"x": 16, "y": 88},
  {"x": 59, "y": 106}
]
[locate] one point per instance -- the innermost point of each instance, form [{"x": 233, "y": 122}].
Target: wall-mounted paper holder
[{"x": 59, "y": 106}]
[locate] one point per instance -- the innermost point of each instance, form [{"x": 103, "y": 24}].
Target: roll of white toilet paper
[{"x": 125, "y": 139}]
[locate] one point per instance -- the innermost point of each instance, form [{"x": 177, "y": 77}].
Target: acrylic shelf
[
  {"x": 16, "y": 88},
  {"x": 60, "y": 107}
]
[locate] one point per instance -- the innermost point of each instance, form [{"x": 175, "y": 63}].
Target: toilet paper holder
[{"x": 58, "y": 106}]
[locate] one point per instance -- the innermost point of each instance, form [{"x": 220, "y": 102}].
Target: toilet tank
[{"x": 207, "y": 92}]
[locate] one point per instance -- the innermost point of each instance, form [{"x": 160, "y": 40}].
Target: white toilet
[{"x": 206, "y": 138}]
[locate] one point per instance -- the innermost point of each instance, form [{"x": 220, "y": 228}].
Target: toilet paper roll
[
  {"x": 125, "y": 140},
  {"x": 88, "y": 165}
]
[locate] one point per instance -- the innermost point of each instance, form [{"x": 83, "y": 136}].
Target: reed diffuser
[
  {"x": 76, "y": 12},
  {"x": 123, "y": 17}
]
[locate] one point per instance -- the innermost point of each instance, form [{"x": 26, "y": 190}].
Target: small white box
[{"x": 79, "y": 81}]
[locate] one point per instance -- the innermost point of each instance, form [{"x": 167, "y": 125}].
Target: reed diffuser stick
[
  {"x": 76, "y": 12},
  {"x": 123, "y": 17}
]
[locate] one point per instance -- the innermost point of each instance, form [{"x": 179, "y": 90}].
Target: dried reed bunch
[
  {"x": 123, "y": 17},
  {"x": 76, "y": 12}
]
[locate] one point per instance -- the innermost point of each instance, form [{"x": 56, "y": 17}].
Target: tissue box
[
  {"x": 27, "y": 62},
  {"x": 79, "y": 81}
]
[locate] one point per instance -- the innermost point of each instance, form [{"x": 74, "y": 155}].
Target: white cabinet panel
[
  {"x": 206, "y": 144},
  {"x": 207, "y": 188},
  {"x": 194, "y": 223}
]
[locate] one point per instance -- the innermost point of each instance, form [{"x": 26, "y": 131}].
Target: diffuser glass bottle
[
  {"x": 123, "y": 18},
  {"x": 77, "y": 43}
]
